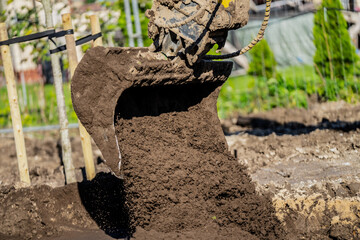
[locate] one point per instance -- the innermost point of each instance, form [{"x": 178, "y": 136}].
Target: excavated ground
[
  {"x": 179, "y": 180},
  {"x": 310, "y": 166},
  {"x": 309, "y": 161}
]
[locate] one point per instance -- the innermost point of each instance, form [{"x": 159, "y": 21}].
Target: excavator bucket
[
  {"x": 182, "y": 33},
  {"x": 114, "y": 86},
  {"x": 155, "y": 122},
  {"x": 152, "y": 113}
]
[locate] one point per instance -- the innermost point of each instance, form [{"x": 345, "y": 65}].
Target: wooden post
[
  {"x": 95, "y": 28},
  {"x": 14, "y": 107},
  {"x": 73, "y": 62},
  {"x": 60, "y": 100}
]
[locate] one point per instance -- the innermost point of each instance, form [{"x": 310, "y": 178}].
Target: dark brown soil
[
  {"x": 179, "y": 175},
  {"x": 42, "y": 211},
  {"x": 306, "y": 168},
  {"x": 179, "y": 179}
]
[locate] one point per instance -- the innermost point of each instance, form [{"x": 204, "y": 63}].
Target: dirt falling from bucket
[
  {"x": 180, "y": 180},
  {"x": 179, "y": 176}
]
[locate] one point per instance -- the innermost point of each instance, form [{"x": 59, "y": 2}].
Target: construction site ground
[{"x": 306, "y": 160}]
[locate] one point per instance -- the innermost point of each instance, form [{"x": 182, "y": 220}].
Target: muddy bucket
[
  {"x": 155, "y": 122},
  {"x": 126, "y": 83}
]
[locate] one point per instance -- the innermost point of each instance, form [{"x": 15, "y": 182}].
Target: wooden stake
[
  {"x": 60, "y": 100},
  {"x": 73, "y": 62},
  {"x": 14, "y": 107},
  {"x": 95, "y": 28}
]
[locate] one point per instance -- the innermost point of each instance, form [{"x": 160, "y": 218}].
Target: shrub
[
  {"x": 335, "y": 56},
  {"x": 263, "y": 62}
]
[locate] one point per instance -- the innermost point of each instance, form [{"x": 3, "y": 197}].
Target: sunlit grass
[
  {"x": 239, "y": 94},
  {"x": 291, "y": 88},
  {"x": 31, "y": 114}
]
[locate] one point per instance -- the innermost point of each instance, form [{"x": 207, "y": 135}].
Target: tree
[
  {"x": 335, "y": 56},
  {"x": 118, "y": 6},
  {"x": 263, "y": 62}
]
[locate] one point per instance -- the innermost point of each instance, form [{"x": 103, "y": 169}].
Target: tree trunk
[{"x": 64, "y": 131}]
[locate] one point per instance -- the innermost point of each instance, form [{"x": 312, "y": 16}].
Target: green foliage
[
  {"x": 265, "y": 88},
  {"x": 24, "y": 21},
  {"x": 263, "y": 62},
  {"x": 292, "y": 88},
  {"x": 213, "y": 51},
  {"x": 335, "y": 56},
  {"x": 118, "y": 5},
  {"x": 30, "y": 115},
  {"x": 2, "y": 15}
]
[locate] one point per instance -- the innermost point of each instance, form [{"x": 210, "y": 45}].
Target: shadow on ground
[
  {"x": 264, "y": 127},
  {"x": 104, "y": 200}
]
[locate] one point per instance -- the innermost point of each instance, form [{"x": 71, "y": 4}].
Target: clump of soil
[{"x": 42, "y": 212}]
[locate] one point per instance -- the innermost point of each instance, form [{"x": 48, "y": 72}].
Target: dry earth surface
[
  {"x": 309, "y": 161},
  {"x": 306, "y": 159}
]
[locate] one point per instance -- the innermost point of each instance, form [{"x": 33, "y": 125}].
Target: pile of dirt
[
  {"x": 312, "y": 176},
  {"x": 294, "y": 121},
  {"x": 42, "y": 212},
  {"x": 178, "y": 173}
]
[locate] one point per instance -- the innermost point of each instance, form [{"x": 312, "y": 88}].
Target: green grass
[
  {"x": 245, "y": 94},
  {"x": 31, "y": 114},
  {"x": 291, "y": 88}
]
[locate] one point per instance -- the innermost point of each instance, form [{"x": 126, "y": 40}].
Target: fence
[
  {"x": 13, "y": 93},
  {"x": 38, "y": 103}
]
